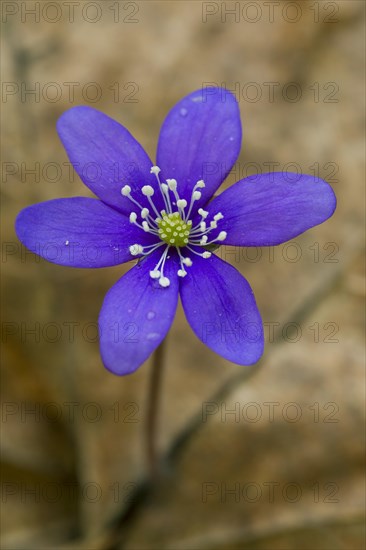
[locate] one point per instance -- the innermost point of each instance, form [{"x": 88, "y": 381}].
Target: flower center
[
  {"x": 172, "y": 226},
  {"x": 173, "y": 230}
]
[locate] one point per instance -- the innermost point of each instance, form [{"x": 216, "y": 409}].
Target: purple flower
[{"x": 161, "y": 215}]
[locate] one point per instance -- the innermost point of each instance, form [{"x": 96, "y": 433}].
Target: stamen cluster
[{"x": 172, "y": 225}]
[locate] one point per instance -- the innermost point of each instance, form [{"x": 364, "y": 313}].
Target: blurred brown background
[{"x": 283, "y": 469}]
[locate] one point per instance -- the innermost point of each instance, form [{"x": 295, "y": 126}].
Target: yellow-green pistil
[{"x": 173, "y": 230}]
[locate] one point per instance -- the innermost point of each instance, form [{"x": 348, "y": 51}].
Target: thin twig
[{"x": 153, "y": 411}]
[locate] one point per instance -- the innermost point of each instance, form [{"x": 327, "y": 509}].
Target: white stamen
[
  {"x": 163, "y": 188},
  {"x": 136, "y": 249},
  {"x": 203, "y": 213},
  {"x": 164, "y": 282},
  {"x": 165, "y": 192},
  {"x": 196, "y": 195},
  {"x": 155, "y": 274},
  {"x": 187, "y": 261},
  {"x": 204, "y": 240},
  {"x": 218, "y": 216},
  {"x": 146, "y": 227},
  {"x": 172, "y": 184},
  {"x": 157, "y": 268},
  {"x": 181, "y": 203},
  {"x": 145, "y": 213},
  {"x": 126, "y": 190},
  {"x": 200, "y": 184},
  {"x": 133, "y": 217},
  {"x": 147, "y": 190},
  {"x": 204, "y": 255},
  {"x": 152, "y": 247},
  {"x": 221, "y": 236},
  {"x": 182, "y": 273}
]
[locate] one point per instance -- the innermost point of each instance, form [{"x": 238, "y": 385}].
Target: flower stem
[{"x": 152, "y": 411}]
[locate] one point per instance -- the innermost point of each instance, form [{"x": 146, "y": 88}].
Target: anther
[
  {"x": 164, "y": 282},
  {"x": 145, "y": 213},
  {"x": 126, "y": 190},
  {"x": 147, "y": 190},
  {"x": 155, "y": 170},
  {"x": 172, "y": 184},
  {"x": 187, "y": 262},
  {"x": 203, "y": 213},
  {"x": 136, "y": 249},
  {"x": 133, "y": 217},
  {"x": 181, "y": 203},
  {"x": 221, "y": 236}
]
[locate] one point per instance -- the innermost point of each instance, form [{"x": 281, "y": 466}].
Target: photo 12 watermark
[
  {"x": 270, "y": 12},
  {"x": 275, "y": 91},
  {"x": 52, "y": 332},
  {"x": 70, "y": 412},
  {"x": 270, "y": 411},
  {"x": 51, "y": 492},
  {"x": 73, "y": 12},
  {"x": 66, "y": 251},
  {"x": 250, "y": 332},
  {"x": 272, "y": 492},
  {"x": 52, "y": 171},
  {"x": 65, "y": 172},
  {"x": 70, "y": 331},
  {"x": 71, "y": 92}
]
